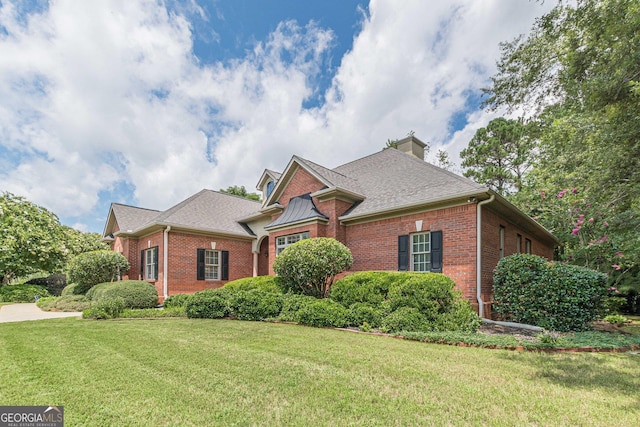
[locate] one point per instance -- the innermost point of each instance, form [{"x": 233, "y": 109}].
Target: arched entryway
[{"x": 263, "y": 257}]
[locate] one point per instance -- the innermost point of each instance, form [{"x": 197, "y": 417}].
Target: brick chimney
[{"x": 412, "y": 146}]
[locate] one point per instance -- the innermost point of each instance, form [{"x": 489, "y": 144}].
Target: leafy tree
[
  {"x": 31, "y": 239},
  {"x": 578, "y": 74},
  {"x": 241, "y": 192},
  {"x": 499, "y": 155},
  {"x": 443, "y": 161},
  {"x": 79, "y": 241},
  {"x": 90, "y": 268},
  {"x": 311, "y": 265}
]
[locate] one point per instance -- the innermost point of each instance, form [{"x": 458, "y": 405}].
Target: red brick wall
[
  {"x": 374, "y": 245},
  {"x": 183, "y": 261},
  {"x": 301, "y": 183},
  {"x": 491, "y": 223}
]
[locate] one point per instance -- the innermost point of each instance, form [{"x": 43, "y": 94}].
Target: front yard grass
[{"x": 223, "y": 372}]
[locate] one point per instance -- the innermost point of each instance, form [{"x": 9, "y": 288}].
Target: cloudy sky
[{"x": 146, "y": 102}]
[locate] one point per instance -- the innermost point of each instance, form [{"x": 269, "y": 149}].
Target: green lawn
[{"x": 221, "y": 372}]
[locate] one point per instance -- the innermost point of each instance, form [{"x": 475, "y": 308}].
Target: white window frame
[
  {"x": 420, "y": 249},
  {"x": 149, "y": 264},
  {"x": 212, "y": 264},
  {"x": 283, "y": 242}
]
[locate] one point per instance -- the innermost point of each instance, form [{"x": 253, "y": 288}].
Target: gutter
[
  {"x": 165, "y": 266},
  {"x": 479, "y": 253}
]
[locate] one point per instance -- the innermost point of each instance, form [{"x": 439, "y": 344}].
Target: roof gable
[{"x": 128, "y": 218}]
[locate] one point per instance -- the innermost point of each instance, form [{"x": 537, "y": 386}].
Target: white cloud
[{"x": 94, "y": 93}]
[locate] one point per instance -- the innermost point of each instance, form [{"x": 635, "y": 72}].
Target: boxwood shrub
[
  {"x": 266, "y": 283},
  {"x": 208, "y": 304},
  {"x": 529, "y": 289},
  {"x": 323, "y": 312},
  {"x": 64, "y": 303},
  {"x": 405, "y": 319},
  {"x": 255, "y": 304},
  {"x": 291, "y": 305},
  {"x": 361, "y": 313},
  {"x": 369, "y": 287},
  {"x": 133, "y": 293}
]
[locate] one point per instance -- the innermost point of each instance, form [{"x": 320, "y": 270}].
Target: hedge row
[
  {"x": 133, "y": 293},
  {"x": 22, "y": 293},
  {"x": 392, "y": 302}
]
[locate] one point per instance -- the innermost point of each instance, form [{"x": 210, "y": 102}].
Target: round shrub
[
  {"x": 133, "y": 293},
  {"x": 559, "y": 297},
  {"x": 460, "y": 317},
  {"x": 430, "y": 293},
  {"x": 207, "y": 304},
  {"x": 323, "y": 312},
  {"x": 255, "y": 304},
  {"x": 309, "y": 266},
  {"x": 22, "y": 293},
  {"x": 291, "y": 305},
  {"x": 265, "y": 283},
  {"x": 90, "y": 268},
  {"x": 178, "y": 300}
]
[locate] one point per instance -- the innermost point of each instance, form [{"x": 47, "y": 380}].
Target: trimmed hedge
[
  {"x": 291, "y": 305},
  {"x": 265, "y": 283},
  {"x": 107, "y": 309},
  {"x": 323, "y": 312},
  {"x": 207, "y": 304},
  {"x": 70, "y": 290},
  {"x": 22, "y": 293},
  {"x": 90, "y": 268},
  {"x": 133, "y": 293},
  {"x": 529, "y": 289},
  {"x": 368, "y": 287},
  {"x": 255, "y": 304},
  {"x": 64, "y": 303}
]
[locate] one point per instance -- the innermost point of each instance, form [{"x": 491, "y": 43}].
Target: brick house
[{"x": 393, "y": 210}]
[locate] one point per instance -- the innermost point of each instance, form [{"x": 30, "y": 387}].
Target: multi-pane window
[
  {"x": 421, "y": 252},
  {"x": 211, "y": 265},
  {"x": 151, "y": 264},
  {"x": 501, "y": 249},
  {"x": 283, "y": 242}
]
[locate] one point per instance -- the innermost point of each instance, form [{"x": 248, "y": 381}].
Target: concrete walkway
[{"x": 26, "y": 311}]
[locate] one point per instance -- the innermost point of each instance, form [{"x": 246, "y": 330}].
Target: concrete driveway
[{"x": 26, "y": 311}]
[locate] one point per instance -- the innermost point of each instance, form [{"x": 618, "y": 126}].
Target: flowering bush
[{"x": 90, "y": 268}]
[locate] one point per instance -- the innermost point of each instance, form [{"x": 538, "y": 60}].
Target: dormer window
[{"x": 270, "y": 186}]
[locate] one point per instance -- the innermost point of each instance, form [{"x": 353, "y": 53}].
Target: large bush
[
  {"x": 265, "y": 283},
  {"x": 133, "y": 293},
  {"x": 22, "y": 293},
  {"x": 70, "y": 290},
  {"x": 323, "y": 312},
  {"x": 64, "y": 303},
  {"x": 369, "y": 287},
  {"x": 309, "y": 266},
  {"x": 529, "y": 289},
  {"x": 90, "y": 268},
  {"x": 177, "y": 300},
  {"x": 54, "y": 283},
  {"x": 208, "y": 304}
]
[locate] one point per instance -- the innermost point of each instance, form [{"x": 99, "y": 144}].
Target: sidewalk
[{"x": 26, "y": 311}]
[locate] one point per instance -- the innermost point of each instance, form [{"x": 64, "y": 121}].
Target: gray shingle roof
[
  {"x": 210, "y": 211},
  {"x": 300, "y": 208},
  {"x": 391, "y": 179},
  {"x": 130, "y": 217},
  {"x": 332, "y": 177}
]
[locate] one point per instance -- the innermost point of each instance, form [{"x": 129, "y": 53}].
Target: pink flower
[
  {"x": 620, "y": 254},
  {"x": 574, "y": 191},
  {"x": 575, "y": 231},
  {"x": 543, "y": 195},
  {"x": 561, "y": 194},
  {"x": 616, "y": 266},
  {"x": 591, "y": 219},
  {"x": 605, "y": 223}
]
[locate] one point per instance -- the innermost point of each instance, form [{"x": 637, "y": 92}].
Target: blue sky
[{"x": 147, "y": 102}]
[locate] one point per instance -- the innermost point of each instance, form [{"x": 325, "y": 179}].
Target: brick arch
[{"x": 263, "y": 256}]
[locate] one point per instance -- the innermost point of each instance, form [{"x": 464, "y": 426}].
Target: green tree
[
  {"x": 311, "y": 265},
  {"x": 499, "y": 155},
  {"x": 78, "y": 242},
  {"x": 241, "y": 192},
  {"x": 90, "y": 268},
  {"x": 578, "y": 73},
  {"x": 31, "y": 239}
]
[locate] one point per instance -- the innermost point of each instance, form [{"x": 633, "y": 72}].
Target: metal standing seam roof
[{"x": 300, "y": 208}]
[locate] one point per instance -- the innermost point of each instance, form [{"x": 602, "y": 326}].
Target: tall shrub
[
  {"x": 529, "y": 289},
  {"x": 132, "y": 293},
  {"x": 90, "y": 268},
  {"x": 310, "y": 266}
]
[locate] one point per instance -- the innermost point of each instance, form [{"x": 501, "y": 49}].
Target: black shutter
[
  {"x": 155, "y": 263},
  {"x": 200, "y": 269},
  {"x": 436, "y": 251},
  {"x": 403, "y": 253},
  {"x": 225, "y": 266},
  {"x": 142, "y": 265}
]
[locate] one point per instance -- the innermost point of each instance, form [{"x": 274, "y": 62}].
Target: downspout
[
  {"x": 479, "y": 253},
  {"x": 165, "y": 265}
]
